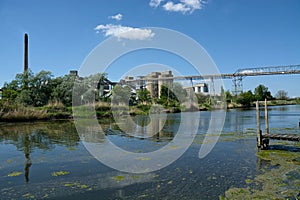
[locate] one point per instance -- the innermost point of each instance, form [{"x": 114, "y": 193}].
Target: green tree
[
  {"x": 37, "y": 90},
  {"x": 121, "y": 95},
  {"x": 202, "y": 99},
  {"x": 9, "y": 94},
  {"x": 41, "y": 88},
  {"x": 143, "y": 96},
  {"x": 23, "y": 79},
  {"x": 180, "y": 93},
  {"x": 281, "y": 94},
  {"x": 29, "y": 89},
  {"x": 261, "y": 93},
  {"x": 246, "y": 98},
  {"x": 228, "y": 97},
  {"x": 63, "y": 88},
  {"x": 172, "y": 95}
]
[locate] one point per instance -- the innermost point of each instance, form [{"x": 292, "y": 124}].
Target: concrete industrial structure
[
  {"x": 153, "y": 82},
  {"x": 199, "y": 88},
  {"x": 236, "y": 77},
  {"x": 155, "y": 86}
]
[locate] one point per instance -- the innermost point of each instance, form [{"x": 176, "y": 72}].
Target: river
[{"x": 49, "y": 160}]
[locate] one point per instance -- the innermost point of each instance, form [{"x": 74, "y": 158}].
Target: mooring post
[
  {"x": 258, "y": 125},
  {"x": 264, "y": 142},
  {"x": 266, "y": 116}
]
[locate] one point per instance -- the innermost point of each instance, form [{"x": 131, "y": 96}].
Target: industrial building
[
  {"x": 154, "y": 86},
  {"x": 199, "y": 88}
]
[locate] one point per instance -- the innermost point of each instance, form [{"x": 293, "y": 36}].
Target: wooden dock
[
  {"x": 264, "y": 139},
  {"x": 289, "y": 137}
]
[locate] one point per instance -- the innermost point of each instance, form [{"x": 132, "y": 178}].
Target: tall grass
[
  {"x": 57, "y": 110},
  {"x": 14, "y": 112}
]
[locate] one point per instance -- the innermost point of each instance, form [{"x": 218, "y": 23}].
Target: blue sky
[{"x": 236, "y": 34}]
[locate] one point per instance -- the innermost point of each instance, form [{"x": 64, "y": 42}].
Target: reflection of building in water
[
  {"x": 153, "y": 128},
  {"x": 92, "y": 134},
  {"x": 144, "y": 127}
]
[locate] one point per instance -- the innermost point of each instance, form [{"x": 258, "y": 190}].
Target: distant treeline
[{"x": 42, "y": 90}]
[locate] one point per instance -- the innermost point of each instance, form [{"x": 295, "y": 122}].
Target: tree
[
  {"x": 144, "y": 96},
  {"x": 246, "y": 98},
  {"x": 121, "y": 95},
  {"x": 261, "y": 93},
  {"x": 228, "y": 96},
  {"x": 8, "y": 94},
  {"x": 202, "y": 99},
  {"x": 63, "y": 88},
  {"x": 281, "y": 94},
  {"x": 172, "y": 95},
  {"x": 37, "y": 89},
  {"x": 30, "y": 89},
  {"x": 40, "y": 88}
]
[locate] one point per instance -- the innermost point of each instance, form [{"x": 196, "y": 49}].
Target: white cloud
[
  {"x": 155, "y": 3},
  {"x": 117, "y": 17},
  {"x": 125, "y": 32},
  {"x": 178, "y": 7},
  {"x": 182, "y": 6},
  {"x": 193, "y": 4}
]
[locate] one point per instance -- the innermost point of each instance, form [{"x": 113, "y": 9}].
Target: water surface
[{"x": 47, "y": 160}]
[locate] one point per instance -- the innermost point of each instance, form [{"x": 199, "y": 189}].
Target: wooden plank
[{"x": 290, "y": 137}]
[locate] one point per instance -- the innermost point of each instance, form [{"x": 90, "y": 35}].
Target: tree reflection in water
[{"x": 29, "y": 136}]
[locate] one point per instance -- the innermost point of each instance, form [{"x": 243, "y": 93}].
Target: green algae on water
[
  {"x": 15, "y": 173},
  {"x": 60, "y": 173},
  {"x": 279, "y": 180},
  {"x": 118, "y": 178}
]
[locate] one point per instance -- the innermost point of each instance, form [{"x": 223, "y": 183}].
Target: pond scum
[{"x": 278, "y": 179}]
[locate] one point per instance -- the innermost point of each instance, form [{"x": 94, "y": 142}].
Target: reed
[{"x": 10, "y": 112}]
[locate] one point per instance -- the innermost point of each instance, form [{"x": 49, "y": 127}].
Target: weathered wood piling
[
  {"x": 264, "y": 139},
  {"x": 258, "y": 136}
]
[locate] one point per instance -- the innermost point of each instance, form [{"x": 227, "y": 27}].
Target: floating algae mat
[{"x": 280, "y": 179}]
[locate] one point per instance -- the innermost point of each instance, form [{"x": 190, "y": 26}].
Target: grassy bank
[
  {"x": 270, "y": 103},
  {"x": 56, "y": 110},
  {"x": 11, "y": 112},
  {"x": 15, "y": 112}
]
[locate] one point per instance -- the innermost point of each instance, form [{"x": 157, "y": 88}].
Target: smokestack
[{"x": 25, "y": 53}]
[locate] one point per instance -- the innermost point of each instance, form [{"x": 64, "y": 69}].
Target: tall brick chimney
[{"x": 25, "y": 53}]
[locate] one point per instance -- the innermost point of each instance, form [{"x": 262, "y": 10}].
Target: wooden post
[
  {"x": 266, "y": 117},
  {"x": 258, "y": 125}
]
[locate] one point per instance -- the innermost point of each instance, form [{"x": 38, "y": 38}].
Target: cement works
[{"x": 237, "y": 77}]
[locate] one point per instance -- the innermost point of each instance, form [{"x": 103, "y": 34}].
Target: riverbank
[
  {"x": 233, "y": 105},
  {"x": 57, "y": 111},
  {"x": 11, "y": 112}
]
